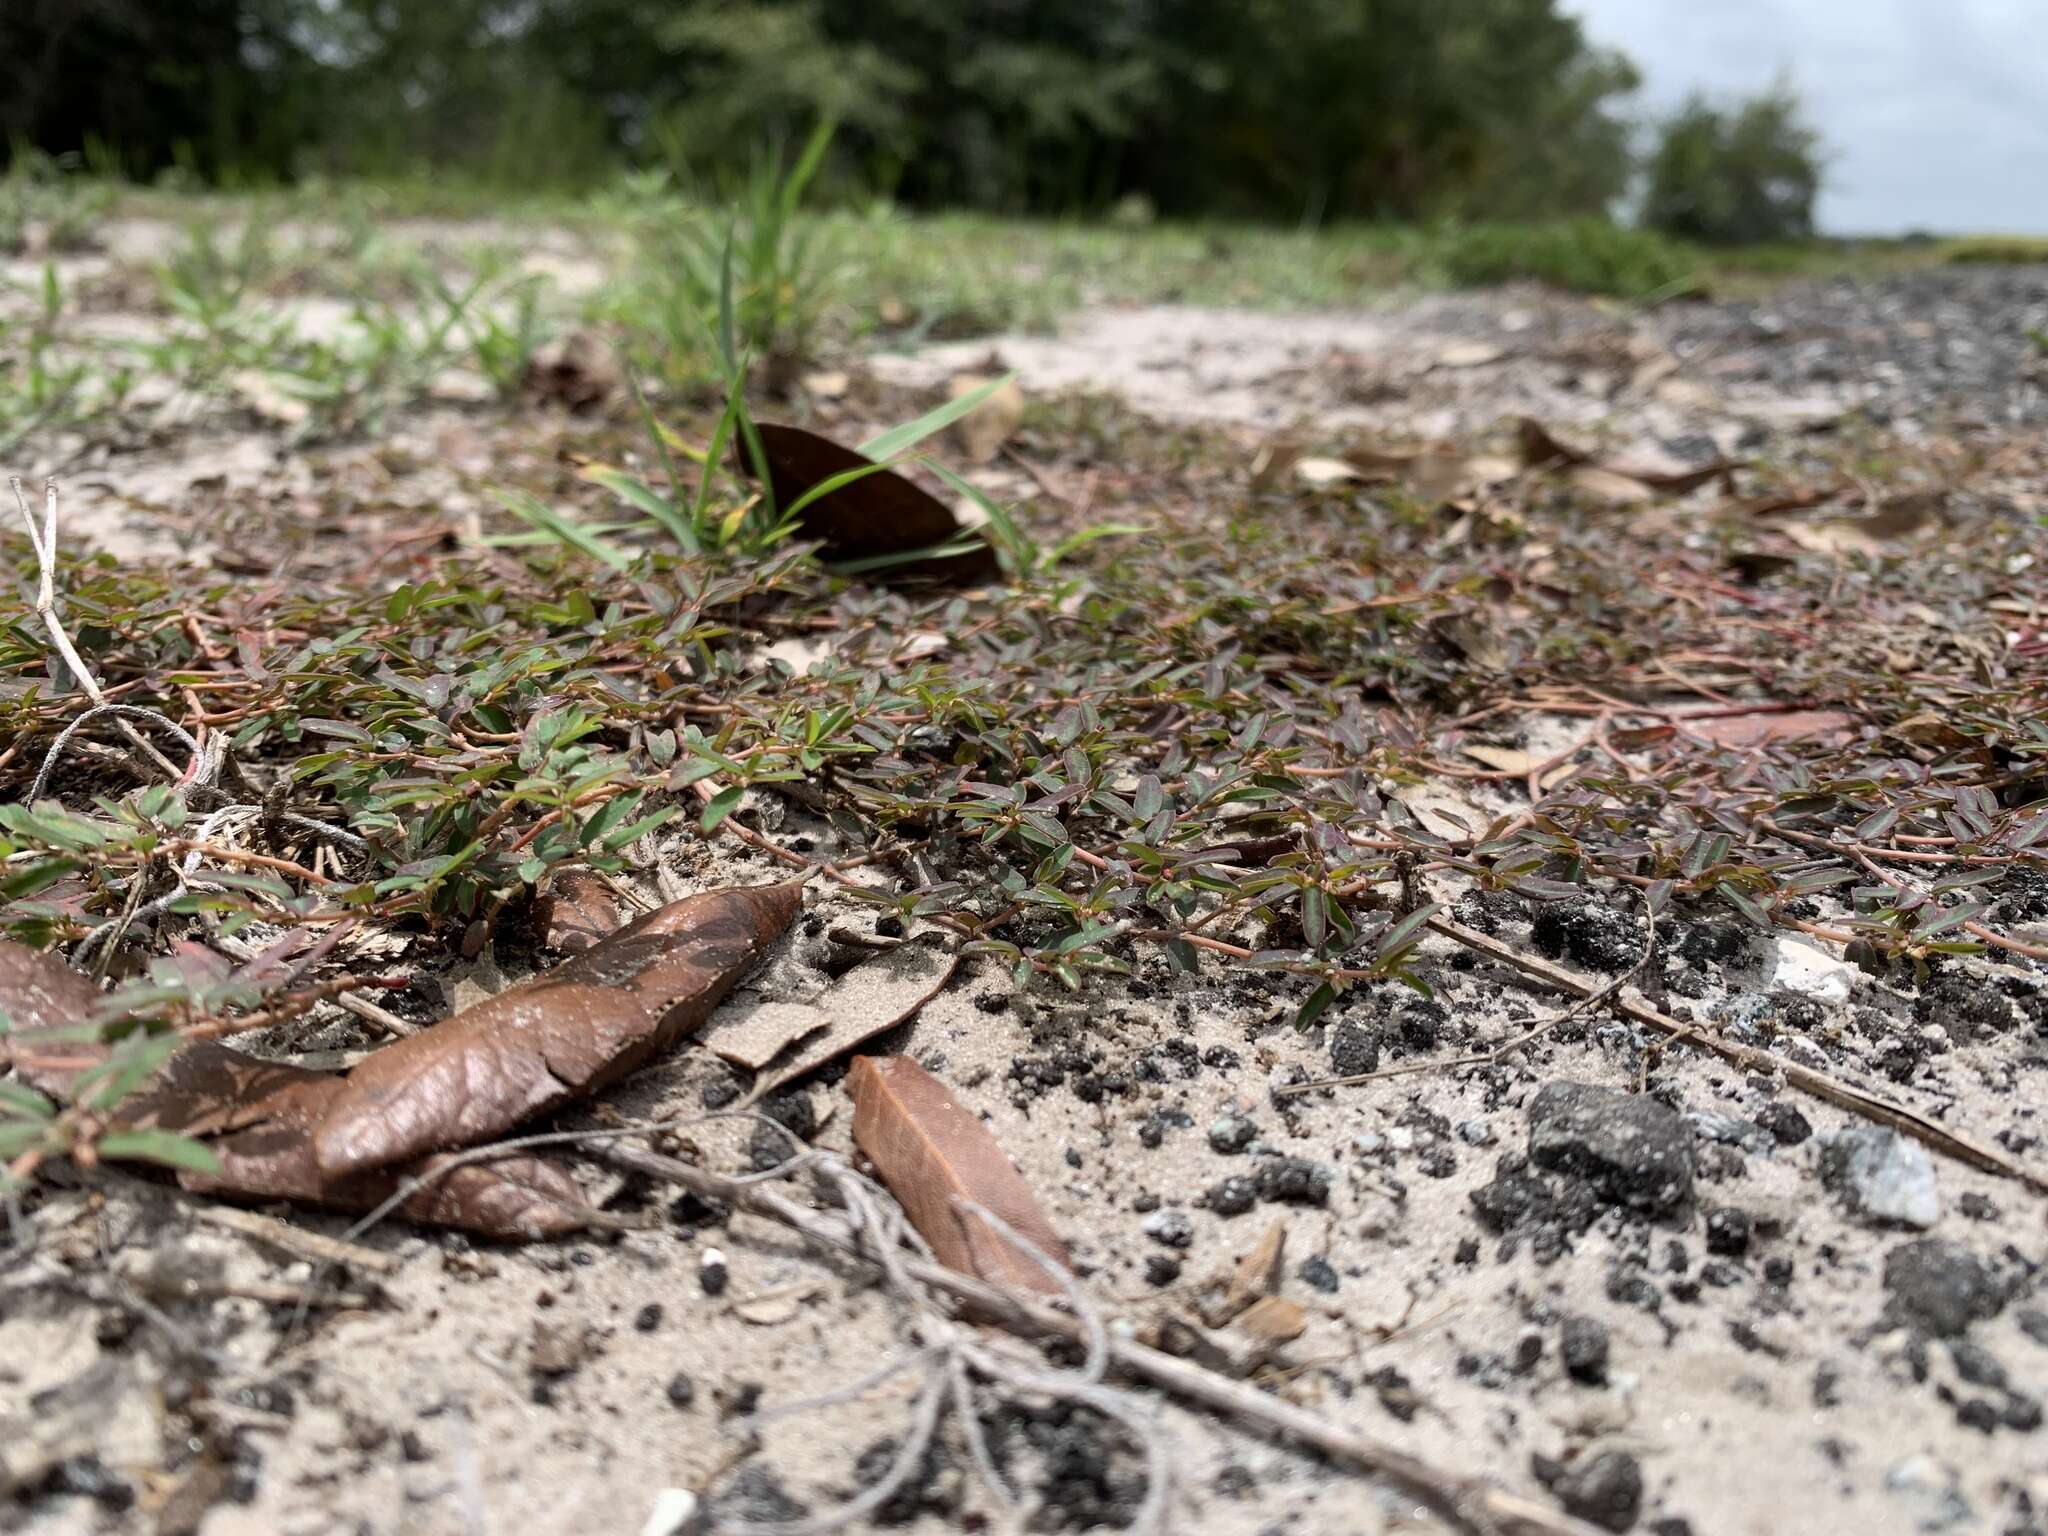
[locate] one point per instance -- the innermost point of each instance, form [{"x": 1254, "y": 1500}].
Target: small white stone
[
  {"x": 674, "y": 1510},
  {"x": 1812, "y": 972}
]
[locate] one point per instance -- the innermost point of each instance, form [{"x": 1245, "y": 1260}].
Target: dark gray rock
[
  {"x": 1940, "y": 1288},
  {"x": 1354, "y": 1049},
  {"x": 1583, "y": 1343},
  {"x": 1605, "y": 1488},
  {"x": 1170, "y": 1226},
  {"x": 1232, "y": 1133},
  {"x": 1232, "y": 1196},
  {"x": 1295, "y": 1180},
  {"x": 1630, "y": 1148}
]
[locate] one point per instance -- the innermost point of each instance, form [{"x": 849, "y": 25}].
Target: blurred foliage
[
  {"x": 1296, "y": 109},
  {"x": 1738, "y": 175}
]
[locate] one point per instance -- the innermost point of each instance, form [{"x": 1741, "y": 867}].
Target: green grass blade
[
  {"x": 827, "y": 486},
  {"x": 948, "y": 549},
  {"x": 715, "y": 453},
  {"x": 807, "y": 165},
  {"x": 565, "y": 530},
  {"x": 642, "y": 495},
  {"x": 728, "y": 347},
  {"x": 888, "y": 444},
  {"x": 1010, "y": 542}
]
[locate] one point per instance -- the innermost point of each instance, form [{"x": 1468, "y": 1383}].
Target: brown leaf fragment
[
  {"x": 1258, "y": 1272},
  {"x": 874, "y": 996},
  {"x": 883, "y": 513},
  {"x": 756, "y": 1035},
  {"x": 257, "y": 1117},
  {"x": 982, "y": 432},
  {"x": 578, "y": 372},
  {"x": 48, "y": 1008},
  {"x": 1614, "y": 480},
  {"x": 932, "y": 1154},
  {"x": 578, "y": 908},
  {"x": 1764, "y": 728},
  {"x": 1274, "y": 1320},
  {"x": 1541, "y": 449},
  {"x": 590, "y": 1021}
]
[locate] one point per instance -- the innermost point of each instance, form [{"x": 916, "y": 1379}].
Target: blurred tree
[
  {"x": 1387, "y": 108},
  {"x": 1737, "y": 175},
  {"x": 207, "y": 82},
  {"x": 1288, "y": 108}
]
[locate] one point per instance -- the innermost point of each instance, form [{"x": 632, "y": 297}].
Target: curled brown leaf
[
  {"x": 588, "y": 1022},
  {"x": 257, "y": 1118},
  {"x": 882, "y": 513}
]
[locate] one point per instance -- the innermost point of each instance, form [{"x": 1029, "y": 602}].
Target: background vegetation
[{"x": 1289, "y": 110}]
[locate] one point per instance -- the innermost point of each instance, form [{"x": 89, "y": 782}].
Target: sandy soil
[{"x": 1695, "y": 1327}]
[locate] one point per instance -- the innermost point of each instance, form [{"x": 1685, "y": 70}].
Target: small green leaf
[
  {"x": 887, "y": 445},
  {"x": 165, "y": 1147},
  {"x": 722, "y": 805}
]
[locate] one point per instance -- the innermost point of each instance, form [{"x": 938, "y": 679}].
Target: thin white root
[{"x": 44, "y": 541}]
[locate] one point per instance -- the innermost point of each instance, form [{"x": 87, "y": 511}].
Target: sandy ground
[{"x": 1697, "y": 1328}]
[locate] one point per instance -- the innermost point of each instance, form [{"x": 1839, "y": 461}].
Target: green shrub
[
  {"x": 1996, "y": 251},
  {"x": 1583, "y": 255},
  {"x": 1741, "y": 175}
]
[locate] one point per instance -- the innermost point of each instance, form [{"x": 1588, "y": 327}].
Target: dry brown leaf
[
  {"x": 588, "y": 1022},
  {"x": 46, "y": 1004},
  {"x": 1614, "y": 480},
  {"x": 875, "y": 996},
  {"x": 1258, "y": 1272},
  {"x": 882, "y": 513},
  {"x": 1928, "y": 729},
  {"x": 932, "y": 1154},
  {"x": 578, "y": 908},
  {"x": 982, "y": 432},
  {"x": 1274, "y": 1320},
  {"x": 1503, "y": 759},
  {"x": 257, "y": 1117},
  {"x": 1764, "y": 728}
]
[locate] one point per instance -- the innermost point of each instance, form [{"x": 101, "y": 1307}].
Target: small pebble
[
  {"x": 681, "y": 1390},
  {"x": 1232, "y": 1196},
  {"x": 1728, "y": 1231},
  {"x": 1584, "y": 1347},
  {"x": 649, "y": 1318},
  {"x": 1232, "y": 1133},
  {"x": 1318, "y": 1275},
  {"x": 1171, "y": 1227},
  {"x": 1161, "y": 1269},
  {"x": 712, "y": 1272}
]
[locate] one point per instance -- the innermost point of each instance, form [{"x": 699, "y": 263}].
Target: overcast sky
[{"x": 1936, "y": 111}]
